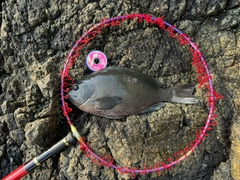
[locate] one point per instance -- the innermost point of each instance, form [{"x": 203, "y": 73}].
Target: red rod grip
[{"x": 16, "y": 174}]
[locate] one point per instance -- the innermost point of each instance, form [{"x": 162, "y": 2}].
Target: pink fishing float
[{"x": 96, "y": 60}]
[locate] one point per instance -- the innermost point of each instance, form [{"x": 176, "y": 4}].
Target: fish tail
[{"x": 184, "y": 94}]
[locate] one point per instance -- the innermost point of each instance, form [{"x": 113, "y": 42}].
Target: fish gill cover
[{"x": 137, "y": 161}]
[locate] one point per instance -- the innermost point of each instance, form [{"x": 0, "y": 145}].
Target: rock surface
[{"x": 36, "y": 37}]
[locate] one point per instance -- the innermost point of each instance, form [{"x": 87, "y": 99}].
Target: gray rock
[
  {"x": 235, "y": 150},
  {"x": 2, "y": 125},
  {"x": 233, "y": 4},
  {"x": 22, "y": 117},
  {"x": 47, "y": 84},
  {"x": 9, "y": 107},
  {"x": 222, "y": 172},
  {"x": 215, "y": 6},
  {"x": 40, "y": 132},
  {"x": 33, "y": 95},
  {"x": 2, "y": 148},
  {"x": 17, "y": 135},
  {"x": 10, "y": 120}
]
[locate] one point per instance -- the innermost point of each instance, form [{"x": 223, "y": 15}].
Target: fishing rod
[{"x": 26, "y": 168}]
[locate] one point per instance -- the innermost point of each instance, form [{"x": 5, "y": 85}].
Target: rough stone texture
[
  {"x": 235, "y": 152},
  {"x": 36, "y": 37},
  {"x": 222, "y": 172}
]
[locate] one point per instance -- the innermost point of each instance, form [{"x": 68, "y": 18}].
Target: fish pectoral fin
[
  {"x": 154, "y": 107},
  {"x": 106, "y": 103}
]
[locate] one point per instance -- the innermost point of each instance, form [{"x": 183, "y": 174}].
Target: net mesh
[{"x": 147, "y": 165}]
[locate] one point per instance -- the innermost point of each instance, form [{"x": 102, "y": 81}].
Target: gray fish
[{"x": 118, "y": 92}]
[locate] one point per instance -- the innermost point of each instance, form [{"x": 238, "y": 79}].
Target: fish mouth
[
  {"x": 71, "y": 95},
  {"x": 73, "y": 99}
]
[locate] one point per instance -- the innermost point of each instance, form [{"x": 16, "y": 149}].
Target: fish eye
[{"x": 75, "y": 87}]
